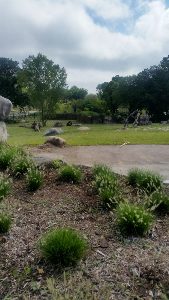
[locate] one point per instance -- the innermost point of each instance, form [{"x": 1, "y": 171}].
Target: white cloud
[
  {"x": 91, "y": 53},
  {"x": 109, "y": 9}
]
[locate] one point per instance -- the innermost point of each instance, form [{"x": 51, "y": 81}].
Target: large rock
[
  {"x": 5, "y": 108},
  {"x": 3, "y": 132},
  {"x": 53, "y": 131},
  {"x": 56, "y": 141}
]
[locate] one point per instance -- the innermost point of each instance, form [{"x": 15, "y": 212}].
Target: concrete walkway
[{"x": 119, "y": 158}]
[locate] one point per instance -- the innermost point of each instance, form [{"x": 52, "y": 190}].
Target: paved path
[{"x": 119, "y": 158}]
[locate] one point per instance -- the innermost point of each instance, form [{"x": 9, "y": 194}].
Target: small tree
[{"x": 43, "y": 81}]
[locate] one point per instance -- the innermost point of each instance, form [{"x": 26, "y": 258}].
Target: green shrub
[
  {"x": 34, "y": 178},
  {"x": 106, "y": 185},
  {"x": 145, "y": 180},
  {"x": 70, "y": 173},
  {"x": 21, "y": 164},
  {"x": 5, "y": 186},
  {"x": 7, "y": 154},
  {"x": 57, "y": 163},
  {"x": 133, "y": 219},
  {"x": 5, "y": 223},
  {"x": 158, "y": 201},
  {"x": 63, "y": 247},
  {"x": 100, "y": 169}
]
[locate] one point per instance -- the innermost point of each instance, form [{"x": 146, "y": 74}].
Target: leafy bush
[
  {"x": 63, "y": 247},
  {"x": 145, "y": 180},
  {"x": 133, "y": 219},
  {"x": 5, "y": 186},
  {"x": 158, "y": 201},
  {"x": 70, "y": 173},
  {"x": 106, "y": 184},
  {"x": 21, "y": 164},
  {"x": 5, "y": 223},
  {"x": 34, "y": 178}
]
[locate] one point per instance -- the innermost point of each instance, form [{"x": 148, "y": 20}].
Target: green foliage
[
  {"x": 133, "y": 219},
  {"x": 21, "y": 164},
  {"x": 145, "y": 180},
  {"x": 70, "y": 173},
  {"x": 63, "y": 247},
  {"x": 8, "y": 81},
  {"x": 34, "y": 178},
  {"x": 158, "y": 201},
  {"x": 75, "y": 93},
  {"x": 106, "y": 184},
  {"x": 7, "y": 154},
  {"x": 57, "y": 164},
  {"x": 5, "y": 186},
  {"x": 5, "y": 223},
  {"x": 43, "y": 81},
  {"x": 142, "y": 91}
]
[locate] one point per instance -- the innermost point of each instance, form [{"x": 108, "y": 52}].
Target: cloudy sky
[{"x": 93, "y": 39}]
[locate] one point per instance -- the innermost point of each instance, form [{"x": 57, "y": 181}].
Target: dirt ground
[
  {"x": 119, "y": 158},
  {"x": 115, "y": 268}
]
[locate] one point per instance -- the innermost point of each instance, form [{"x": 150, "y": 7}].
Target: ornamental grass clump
[
  {"x": 63, "y": 247},
  {"x": 7, "y": 154},
  {"x": 106, "y": 184},
  {"x": 5, "y": 186},
  {"x": 57, "y": 164},
  {"x": 133, "y": 219},
  {"x": 145, "y": 179},
  {"x": 70, "y": 173},
  {"x": 158, "y": 202},
  {"x": 5, "y": 223},
  {"x": 21, "y": 164},
  {"x": 34, "y": 178}
]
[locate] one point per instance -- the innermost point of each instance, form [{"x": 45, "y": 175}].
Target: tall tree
[
  {"x": 44, "y": 82},
  {"x": 75, "y": 93},
  {"x": 111, "y": 93}
]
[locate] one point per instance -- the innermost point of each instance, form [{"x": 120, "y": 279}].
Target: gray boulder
[
  {"x": 5, "y": 108},
  {"x": 3, "y": 133},
  {"x": 53, "y": 131},
  {"x": 56, "y": 141}
]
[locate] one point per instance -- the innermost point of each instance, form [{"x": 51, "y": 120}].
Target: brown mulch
[{"x": 115, "y": 267}]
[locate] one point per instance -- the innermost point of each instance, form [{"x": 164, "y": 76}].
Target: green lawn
[{"x": 96, "y": 135}]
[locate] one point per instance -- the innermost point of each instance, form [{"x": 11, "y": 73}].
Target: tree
[
  {"x": 9, "y": 86},
  {"x": 148, "y": 90},
  {"x": 111, "y": 93},
  {"x": 75, "y": 93},
  {"x": 43, "y": 81},
  {"x": 92, "y": 103}
]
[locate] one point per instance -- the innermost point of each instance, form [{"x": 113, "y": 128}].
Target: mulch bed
[{"x": 115, "y": 267}]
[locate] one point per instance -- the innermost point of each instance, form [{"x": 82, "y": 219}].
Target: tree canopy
[
  {"x": 9, "y": 86},
  {"x": 44, "y": 82},
  {"x": 148, "y": 90},
  {"x": 75, "y": 93}
]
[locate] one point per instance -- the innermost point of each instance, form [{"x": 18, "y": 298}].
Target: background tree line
[
  {"x": 41, "y": 84},
  {"x": 149, "y": 90}
]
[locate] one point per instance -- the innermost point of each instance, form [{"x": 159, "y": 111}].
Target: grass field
[{"x": 96, "y": 135}]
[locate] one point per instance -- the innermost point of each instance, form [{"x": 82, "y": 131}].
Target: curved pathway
[{"x": 119, "y": 158}]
